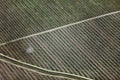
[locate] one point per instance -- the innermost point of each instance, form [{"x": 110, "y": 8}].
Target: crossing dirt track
[{"x": 80, "y": 37}]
